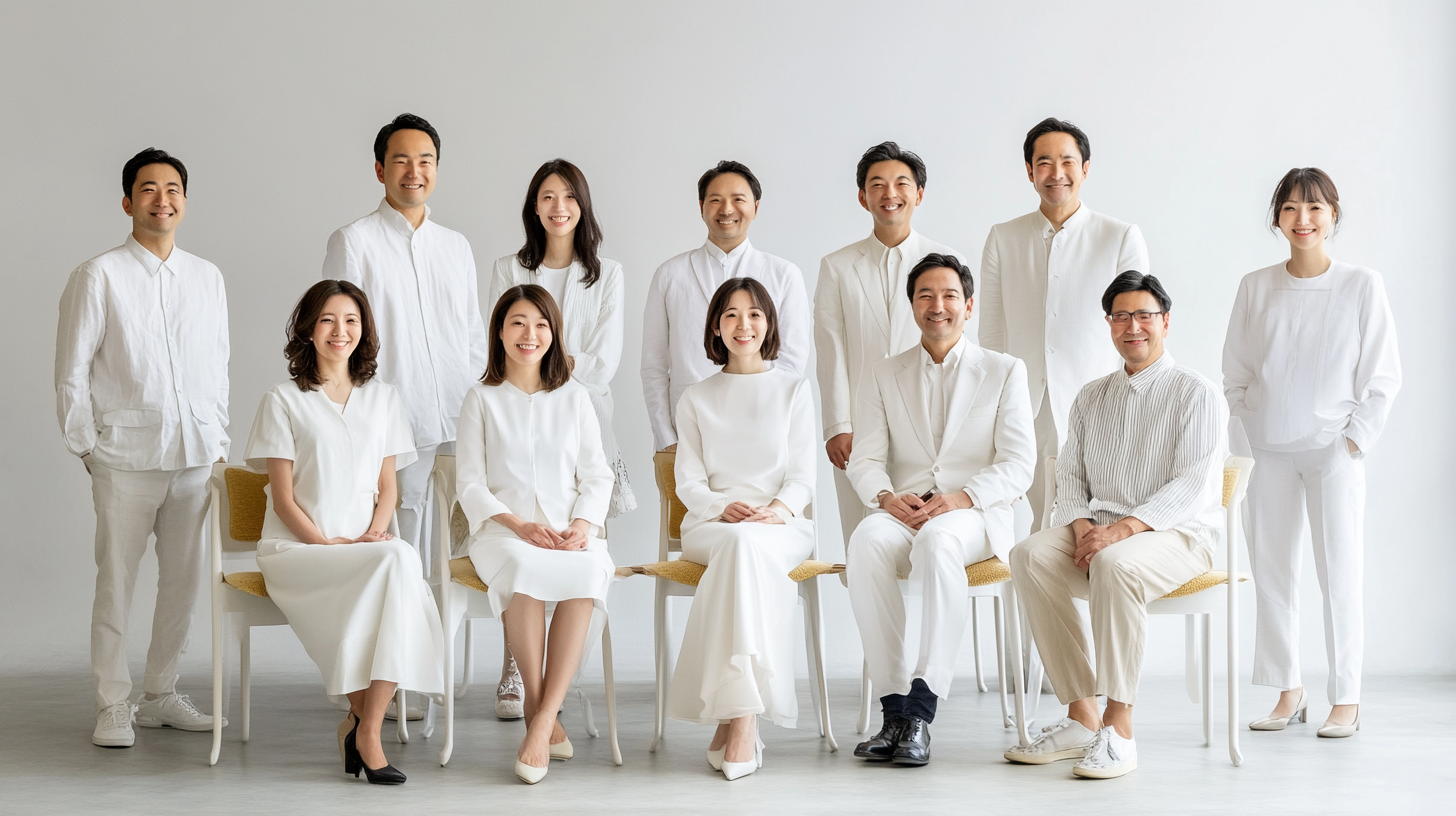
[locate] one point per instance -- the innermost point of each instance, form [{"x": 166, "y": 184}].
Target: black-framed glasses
[{"x": 1143, "y": 317}]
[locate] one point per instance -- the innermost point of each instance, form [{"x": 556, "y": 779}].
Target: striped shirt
[{"x": 1149, "y": 446}]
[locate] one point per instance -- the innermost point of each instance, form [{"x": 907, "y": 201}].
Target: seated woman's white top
[
  {"x": 538, "y": 457},
  {"x": 362, "y": 611}
]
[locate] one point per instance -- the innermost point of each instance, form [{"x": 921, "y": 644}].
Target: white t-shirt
[{"x": 554, "y": 281}]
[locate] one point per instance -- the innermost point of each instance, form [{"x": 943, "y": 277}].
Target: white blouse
[
  {"x": 1307, "y": 359},
  {"x": 519, "y": 453},
  {"x": 336, "y": 455},
  {"x": 748, "y": 438}
]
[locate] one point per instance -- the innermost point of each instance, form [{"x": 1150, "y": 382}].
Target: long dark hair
[
  {"x": 300, "y": 351},
  {"x": 555, "y": 367},
  {"x": 588, "y": 237}
]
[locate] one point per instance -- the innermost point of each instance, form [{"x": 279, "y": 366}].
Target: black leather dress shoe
[
  {"x": 882, "y": 745},
  {"x": 913, "y": 748}
]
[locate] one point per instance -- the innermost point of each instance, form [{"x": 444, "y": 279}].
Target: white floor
[{"x": 1399, "y": 763}]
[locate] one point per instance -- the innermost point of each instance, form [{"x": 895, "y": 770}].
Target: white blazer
[
  {"x": 853, "y": 325},
  {"x": 1044, "y": 305},
  {"x": 988, "y": 449}
]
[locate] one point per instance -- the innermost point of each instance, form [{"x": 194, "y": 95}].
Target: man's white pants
[
  {"x": 851, "y": 510},
  {"x": 935, "y": 559},
  {"x": 413, "y": 482},
  {"x": 1328, "y": 487},
  {"x": 1046, "y": 445},
  {"x": 131, "y": 505}
]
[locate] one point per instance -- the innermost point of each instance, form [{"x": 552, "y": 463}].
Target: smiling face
[
  {"x": 557, "y": 207},
  {"x": 940, "y": 305},
  {"x": 890, "y": 194},
  {"x": 742, "y": 326},
  {"x": 408, "y": 171},
  {"x": 1057, "y": 169},
  {"x": 157, "y": 203},
  {"x": 526, "y": 334},
  {"x": 1305, "y": 224},
  {"x": 337, "y": 331},
  {"x": 728, "y": 208},
  {"x": 1140, "y": 343}
]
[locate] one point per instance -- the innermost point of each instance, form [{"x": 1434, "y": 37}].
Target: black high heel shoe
[{"x": 354, "y": 763}]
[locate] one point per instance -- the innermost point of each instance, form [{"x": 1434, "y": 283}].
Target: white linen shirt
[
  {"x": 142, "y": 360},
  {"x": 673, "y": 356},
  {"x": 1307, "y": 359},
  {"x": 422, "y": 289}
]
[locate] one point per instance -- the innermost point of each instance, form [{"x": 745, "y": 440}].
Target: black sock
[{"x": 921, "y": 701}]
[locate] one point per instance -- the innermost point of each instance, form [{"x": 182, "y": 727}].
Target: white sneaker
[
  {"x": 1067, "y": 739},
  {"x": 113, "y": 726},
  {"x": 1109, "y": 757},
  {"x": 172, "y": 711},
  {"x": 510, "y": 696},
  {"x": 414, "y": 708}
]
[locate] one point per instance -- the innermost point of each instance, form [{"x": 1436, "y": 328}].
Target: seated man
[
  {"x": 943, "y": 445},
  {"x": 1138, "y": 511}
]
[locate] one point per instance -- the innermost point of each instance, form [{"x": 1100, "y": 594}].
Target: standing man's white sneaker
[
  {"x": 1109, "y": 757},
  {"x": 173, "y": 711},
  {"x": 1067, "y": 739},
  {"x": 113, "y": 726}
]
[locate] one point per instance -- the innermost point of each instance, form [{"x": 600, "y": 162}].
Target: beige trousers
[{"x": 1122, "y": 580}]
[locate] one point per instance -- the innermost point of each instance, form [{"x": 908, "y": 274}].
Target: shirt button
[{"x": 936, "y": 469}]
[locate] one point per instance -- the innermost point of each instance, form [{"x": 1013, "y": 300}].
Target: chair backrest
[
  {"x": 449, "y": 516},
  {"x": 241, "y": 506}
]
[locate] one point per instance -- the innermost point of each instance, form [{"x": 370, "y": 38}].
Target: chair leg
[
  {"x": 864, "y": 700},
  {"x": 245, "y": 672},
  {"x": 611, "y": 684},
  {"x": 469, "y": 666},
  {"x": 813, "y": 621},
  {"x": 427, "y": 729},
  {"x": 1190, "y": 658},
  {"x": 999, "y": 622},
  {"x": 976, "y": 643},
  {"x": 659, "y": 654},
  {"x": 586, "y": 713},
  {"x": 219, "y": 669},
  {"x": 401, "y": 729},
  {"x": 446, "y": 620},
  {"x": 1012, "y": 619},
  {"x": 1207, "y": 703}
]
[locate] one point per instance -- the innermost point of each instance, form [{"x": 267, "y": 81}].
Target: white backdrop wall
[{"x": 1194, "y": 111}]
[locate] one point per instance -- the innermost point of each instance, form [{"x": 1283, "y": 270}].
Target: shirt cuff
[{"x": 837, "y": 429}]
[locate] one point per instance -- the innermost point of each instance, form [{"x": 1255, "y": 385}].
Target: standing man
[
  {"x": 420, "y": 280},
  {"x": 1041, "y": 276},
  {"x": 945, "y": 446},
  {"x": 142, "y": 398},
  {"x": 677, "y": 300},
  {"x": 860, "y": 317}
]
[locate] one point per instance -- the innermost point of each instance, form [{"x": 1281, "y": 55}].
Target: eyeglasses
[{"x": 1122, "y": 318}]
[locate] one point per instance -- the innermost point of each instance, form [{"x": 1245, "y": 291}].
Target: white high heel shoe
[
  {"x": 1301, "y": 714},
  {"x": 1334, "y": 730},
  {"x": 715, "y": 758},
  {"x": 530, "y": 774},
  {"x": 563, "y": 750},
  {"x": 735, "y": 770}
]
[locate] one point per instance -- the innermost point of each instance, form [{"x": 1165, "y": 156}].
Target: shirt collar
[
  {"x": 878, "y": 250},
  {"x": 396, "y": 219},
  {"x": 1073, "y": 222},
  {"x": 728, "y": 259},
  {"x": 1152, "y": 373},
  {"x": 952, "y": 357},
  {"x": 144, "y": 256}
]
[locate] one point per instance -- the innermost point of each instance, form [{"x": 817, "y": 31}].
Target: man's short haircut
[
  {"x": 1309, "y": 183},
  {"x": 1054, "y": 125},
  {"x": 150, "y": 156},
  {"x": 404, "y": 121},
  {"x": 714, "y": 345},
  {"x": 727, "y": 166},
  {"x": 935, "y": 260},
  {"x": 889, "y": 151},
  {"x": 1131, "y": 281}
]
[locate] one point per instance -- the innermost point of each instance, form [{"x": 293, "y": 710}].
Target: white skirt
[
  {"x": 737, "y": 655},
  {"x": 509, "y": 565},
  {"x": 362, "y": 611}
]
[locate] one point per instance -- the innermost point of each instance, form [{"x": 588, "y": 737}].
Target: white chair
[
  {"x": 1198, "y": 599},
  {"x": 462, "y": 595},
  {"x": 238, "y": 505}
]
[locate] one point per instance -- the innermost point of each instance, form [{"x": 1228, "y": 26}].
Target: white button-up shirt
[
  {"x": 939, "y": 381},
  {"x": 422, "y": 289},
  {"x": 142, "y": 360}
]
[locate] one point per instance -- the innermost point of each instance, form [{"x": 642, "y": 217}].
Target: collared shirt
[
  {"x": 890, "y": 261},
  {"x": 1151, "y": 446},
  {"x": 142, "y": 360},
  {"x": 422, "y": 289},
  {"x": 729, "y": 260},
  {"x": 938, "y": 382}
]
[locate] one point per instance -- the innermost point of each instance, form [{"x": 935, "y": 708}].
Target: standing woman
[
  {"x": 560, "y": 255},
  {"x": 745, "y": 472},
  {"x": 535, "y": 487},
  {"x": 332, "y": 438},
  {"x": 1310, "y": 366}
]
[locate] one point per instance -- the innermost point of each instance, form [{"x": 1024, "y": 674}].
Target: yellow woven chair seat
[
  {"x": 982, "y": 573},
  {"x": 249, "y": 582},
  {"x": 689, "y": 573},
  {"x": 1207, "y": 580},
  {"x": 462, "y": 572}
]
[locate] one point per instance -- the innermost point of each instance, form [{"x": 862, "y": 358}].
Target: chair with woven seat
[
  {"x": 677, "y": 578},
  {"x": 1197, "y": 600},
  {"x": 462, "y": 595},
  {"x": 236, "y": 512}
]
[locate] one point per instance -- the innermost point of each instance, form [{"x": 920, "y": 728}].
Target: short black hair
[
  {"x": 1311, "y": 184},
  {"x": 889, "y": 151},
  {"x": 728, "y": 166},
  {"x": 936, "y": 260},
  {"x": 404, "y": 121},
  {"x": 1054, "y": 125},
  {"x": 1131, "y": 281},
  {"x": 150, "y": 156}
]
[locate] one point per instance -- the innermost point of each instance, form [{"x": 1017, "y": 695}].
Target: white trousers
[
  {"x": 132, "y": 505},
  {"x": 934, "y": 558},
  {"x": 851, "y": 510},
  {"x": 1122, "y": 580},
  {"x": 1046, "y": 445},
  {"x": 1326, "y": 487},
  {"x": 413, "y": 482}
]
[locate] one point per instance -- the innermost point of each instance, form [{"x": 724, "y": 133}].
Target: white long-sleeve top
[
  {"x": 142, "y": 360},
  {"x": 862, "y": 316},
  {"x": 673, "y": 356},
  {"x": 748, "y": 438},
  {"x": 536, "y": 456},
  {"x": 1041, "y": 298},
  {"x": 1149, "y": 446},
  {"x": 422, "y": 289},
  {"x": 1307, "y": 359}
]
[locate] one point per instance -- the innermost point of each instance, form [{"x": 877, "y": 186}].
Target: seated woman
[
  {"x": 745, "y": 472},
  {"x": 535, "y": 487},
  {"x": 332, "y": 438}
]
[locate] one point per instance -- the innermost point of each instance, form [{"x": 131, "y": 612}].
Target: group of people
[{"x": 934, "y": 438}]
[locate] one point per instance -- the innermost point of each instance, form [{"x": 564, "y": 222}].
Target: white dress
[
  {"x": 539, "y": 457},
  {"x": 748, "y": 438},
  {"x": 362, "y": 611}
]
